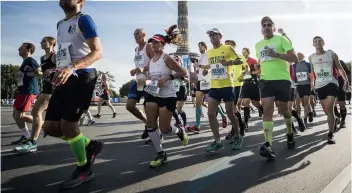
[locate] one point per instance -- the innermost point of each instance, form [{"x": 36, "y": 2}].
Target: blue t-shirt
[{"x": 30, "y": 84}]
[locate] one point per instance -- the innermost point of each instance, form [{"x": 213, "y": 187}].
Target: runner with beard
[{"x": 74, "y": 81}]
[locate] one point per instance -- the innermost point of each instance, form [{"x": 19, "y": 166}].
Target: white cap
[{"x": 215, "y": 30}]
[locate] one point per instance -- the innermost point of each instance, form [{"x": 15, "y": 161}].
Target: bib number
[
  {"x": 20, "y": 80},
  {"x": 323, "y": 73},
  {"x": 302, "y": 76},
  {"x": 176, "y": 84},
  {"x": 218, "y": 71},
  {"x": 63, "y": 56},
  {"x": 247, "y": 76},
  {"x": 152, "y": 88},
  {"x": 204, "y": 85}
]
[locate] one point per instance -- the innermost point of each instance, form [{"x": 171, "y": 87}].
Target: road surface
[{"x": 312, "y": 167}]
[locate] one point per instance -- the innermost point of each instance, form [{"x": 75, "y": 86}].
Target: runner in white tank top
[
  {"x": 325, "y": 65},
  {"x": 143, "y": 53},
  {"x": 160, "y": 95}
]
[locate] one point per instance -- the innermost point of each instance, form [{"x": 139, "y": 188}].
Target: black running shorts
[
  {"x": 280, "y": 89},
  {"x": 169, "y": 102},
  {"x": 303, "y": 90},
  {"x": 250, "y": 90},
  {"x": 330, "y": 89},
  {"x": 70, "y": 100}
]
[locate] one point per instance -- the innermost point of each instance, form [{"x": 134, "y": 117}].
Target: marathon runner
[
  {"x": 27, "y": 90},
  {"x": 302, "y": 74},
  {"x": 160, "y": 95},
  {"x": 274, "y": 52},
  {"x": 47, "y": 69},
  {"x": 221, "y": 59},
  {"x": 143, "y": 53},
  {"x": 74, "y": 81},
  {"x": 341, "y": 98},
  {"x": 325, "y": 65},
  {"x": 105, "y": 97}
]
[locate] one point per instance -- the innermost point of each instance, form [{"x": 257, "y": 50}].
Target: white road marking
[{"x": 339, "y": 183}]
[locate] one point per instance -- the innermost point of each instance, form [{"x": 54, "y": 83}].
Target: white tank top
[
  {"x": 325, "y": 71},
  {"x": 141, "y": 59},
  {"x": 203, "y": 60},
  {"x": 157, "y": 71}
]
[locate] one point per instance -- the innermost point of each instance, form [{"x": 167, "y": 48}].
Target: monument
[{"x": 183, "y": 49}]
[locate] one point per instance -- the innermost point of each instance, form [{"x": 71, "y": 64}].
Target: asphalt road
[{"x": 123, "y": 165}]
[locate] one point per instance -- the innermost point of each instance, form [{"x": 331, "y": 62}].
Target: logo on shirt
[{"x": 72, "y": 29}]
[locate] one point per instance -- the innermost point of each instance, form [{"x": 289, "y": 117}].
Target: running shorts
[
  {"x": 280, "y": 89},
  {"x": 134, "y": 93},
  {"x": 250, "y": 90},
  {"x": 105, "y": 96},
  {"x": 70, "y": 100},
  {"x": 226, "y": 94},
  {"x": 169, "y": 102},
  {"x": 23, "y": 102},
  {"x": 330, "y": 89},
  {"x": 181, "y": 95},
  {"x": 303, "y": 90}
]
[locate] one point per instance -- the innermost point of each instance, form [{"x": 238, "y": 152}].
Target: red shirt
[{"x": 251, "y": 62}]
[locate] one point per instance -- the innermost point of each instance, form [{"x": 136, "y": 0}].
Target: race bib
[
  {"x": 247, "y": 76},
  {"x": 63, "y": 57},
  {"x": 218, "y": 71},
  {"x": 176, "y": 84},
  {"x": 204, "y": 85},
  {"x": 139, "y": 61},
  {"x": 152, "y": 88},
  {"x": 302, "y": 76},
  {"x": 323, "y": 73},
  {"x": 20, "y": 80},
  {"x": 264, "y": 53},
  {"x": 141, "y": 78}
]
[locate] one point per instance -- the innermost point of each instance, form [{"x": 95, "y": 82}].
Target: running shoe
[
  {"x": 27, "y": 147},
  {"x": 93, "y": 149},
  {"x": 22, "y": 140},
  {"x": 183, "y": 136},
  {"x": 79, "y": 176},
  {"x": 310, "y": 115},
  {"x": 113, "y": 115},
  {"x": 290, "y": 141},
  {"x": 266, "y": 151},
  {"x": 97, "y": 116},
  {"x": 161, "y": 158},
  {"x": 302, "y": 127},
  {"x": 214, "y": 146},
  {"x": 194, "y": 129},
  {"x": 331, "y": 139},
  {"x": 237, "y": 143}
]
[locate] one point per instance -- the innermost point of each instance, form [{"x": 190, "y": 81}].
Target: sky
[{"x": 238, "y": 20}]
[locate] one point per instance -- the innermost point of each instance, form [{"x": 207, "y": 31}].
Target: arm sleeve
[
  {"x": 286, "y": 45},
  {"x": 87, "y": 26}
]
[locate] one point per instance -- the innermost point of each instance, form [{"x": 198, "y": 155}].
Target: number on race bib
[
  {"x": 323, "y": 73},
  {"x": 204, "y": 85},
  {"x": 301, "y": 76},
  {"x": 247, "y": 76},
  {"x": 63, "y": 56},
  {"x": 152, "y": 88},
  {"x": 218, "y": 71}
]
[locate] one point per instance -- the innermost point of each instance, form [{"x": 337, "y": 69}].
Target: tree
[
  {"x": 8, "y": 80},
  {"x": 126, "y": 88},
  {"x": 111, "y": 80}
]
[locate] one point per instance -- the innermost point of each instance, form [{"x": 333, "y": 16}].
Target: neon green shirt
[{"x": 273, "y": 68}]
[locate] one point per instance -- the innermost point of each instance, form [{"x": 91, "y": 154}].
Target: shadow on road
[{"x": 125, "y": 161}]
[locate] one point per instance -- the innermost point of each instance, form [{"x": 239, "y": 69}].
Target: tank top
[
  {"x": 141, "y": 59},
  {"x": 70, "y": 42},
  {"x": 301, "y": 71},
  {"x": 324, "y": 69},
  {"x": 157, "y": 71},
  {"x": 104, "y": 87},
  {"x": 47, "y": 64},
  {"x": 203, "y": 60}
]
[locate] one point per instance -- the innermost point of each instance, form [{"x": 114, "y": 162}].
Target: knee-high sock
[
  {"x": 78, "y": 147},
  {"x": 198, "y": 115},
  {"x": 221, "y": 112},
  {"x": 154, "y": 135},
  {"x": 184, "y": 118},
  {"x": 246, "y": 114},
  {"x": 268, "y": 127},
  {"x": 175, "y": 115}
]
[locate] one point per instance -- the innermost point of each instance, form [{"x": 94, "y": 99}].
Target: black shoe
[
  {"x": 97, "y": 116},
  {"x": 79, "y": 176},
  {"x": 301, "y": 125},
  {"x": 229, "y": 136},
  {"x": 113, "y": 115},
  {"x": 145, "y": 133},
  {"x": 310, "y": 115},
  {"x": 294, "y": 129},
  {"x": 22, "y": 140},
  {"x": 290, "y": 141},
  {"x": 314, "y": 113},
  {"x": 342, "y": 124},
  {"x": 246, "y": 130},
  {"x": 331, "y": 139},
  {"x": 93, "y": 150},
  {"x": 266, "y": 151},
  {"x": 91, "y": 122},
  {"x": 148, "y": 142}
]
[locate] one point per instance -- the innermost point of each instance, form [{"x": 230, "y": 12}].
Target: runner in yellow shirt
[
  {"x": 274, "y": 52},
  {"x": 221, "y": 59}
]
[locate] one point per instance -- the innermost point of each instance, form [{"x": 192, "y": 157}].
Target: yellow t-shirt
[
  {"x": 221, "y": 76},
  {"x": 237, "y": 71}
]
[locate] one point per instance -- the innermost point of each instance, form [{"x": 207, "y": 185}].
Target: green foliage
[
  {"x": 125, "y": 88},
  {"x": 8, "y": 80}
]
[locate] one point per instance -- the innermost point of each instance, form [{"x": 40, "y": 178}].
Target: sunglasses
[
  {"x": 213, "y": 34},
  {"x": 267, "y": 25}
]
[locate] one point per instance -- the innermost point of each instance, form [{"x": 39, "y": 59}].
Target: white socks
[
  {"x": 26, "y": 132},
  {"x": 155, "y": 137}
]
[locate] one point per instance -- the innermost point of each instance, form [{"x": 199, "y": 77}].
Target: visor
[{"x": 157, "y": 38}]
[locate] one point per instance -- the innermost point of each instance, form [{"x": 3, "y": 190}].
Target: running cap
[
  {"x": 231, "y": 41},
  {"x": 215, "y": 30},
  {"x": 157, "y": 38},
  {"x": 267, "y": 18}
]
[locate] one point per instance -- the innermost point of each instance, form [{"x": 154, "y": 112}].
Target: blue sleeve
[
  {"x": 87, "y": 26},
  {"x": 308, "y": 65},
  {"x": 33, "y": 63}
]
